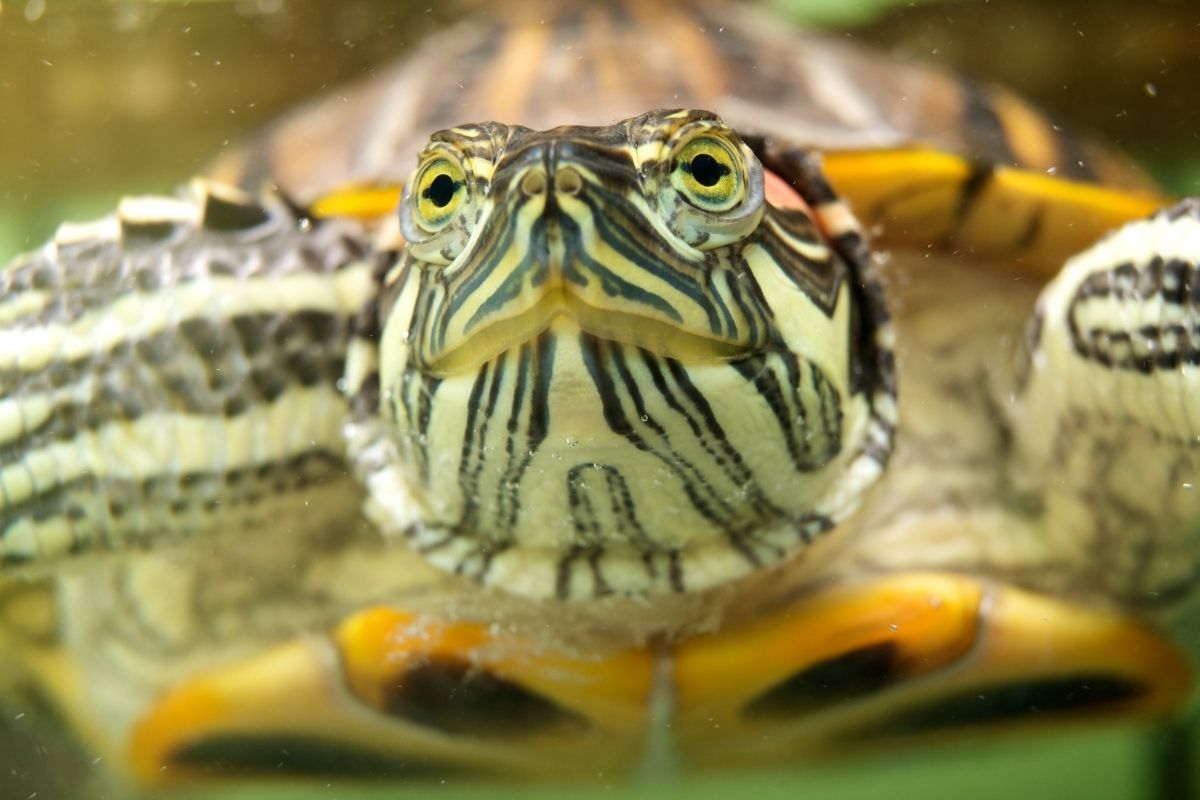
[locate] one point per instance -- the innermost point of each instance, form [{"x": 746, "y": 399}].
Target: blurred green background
[{"x": 100, "y": 99}]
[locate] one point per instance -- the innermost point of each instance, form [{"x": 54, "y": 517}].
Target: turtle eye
[
  {"x": 709, "y": 174},
  {"x": 438, "y": 193}
]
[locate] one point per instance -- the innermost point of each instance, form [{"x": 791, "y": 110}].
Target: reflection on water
[{"x": 107, "y": 98}]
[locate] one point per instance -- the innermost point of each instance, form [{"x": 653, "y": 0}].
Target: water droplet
[{"x": 1151, "y": 90}]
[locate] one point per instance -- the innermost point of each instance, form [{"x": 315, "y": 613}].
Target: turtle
[{"x": 601, "y": 386}]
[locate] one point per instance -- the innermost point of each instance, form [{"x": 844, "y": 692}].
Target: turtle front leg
[
  {"x": 1106, "y": 415},
  {"x": 171, "y": 368}
]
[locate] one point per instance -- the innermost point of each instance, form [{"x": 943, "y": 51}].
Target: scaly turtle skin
[{"x": 651, "y": 437}]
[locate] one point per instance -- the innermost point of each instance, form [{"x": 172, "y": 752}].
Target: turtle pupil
[
  {"x": 441, "y": 190},
  {"x": 707, "y": 170}
]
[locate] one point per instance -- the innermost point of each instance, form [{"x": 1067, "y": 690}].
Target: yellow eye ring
[
  {"x": 439, "y": 190},
  {"x": 708, "y": 173}
]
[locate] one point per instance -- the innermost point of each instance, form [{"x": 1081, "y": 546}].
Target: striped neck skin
[{"x": 609, "y": 366}]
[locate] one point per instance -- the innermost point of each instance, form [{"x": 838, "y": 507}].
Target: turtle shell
[
  {"x": 952, "y": 157},
  {"x": 593, "y": 64}
]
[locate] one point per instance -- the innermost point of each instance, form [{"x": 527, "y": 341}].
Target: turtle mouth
[{"x": 562, "y": 311}]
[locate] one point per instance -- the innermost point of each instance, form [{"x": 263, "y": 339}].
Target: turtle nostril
[
  {"x": 534, "y": 183},
  {"x": 568, "y": 181}
]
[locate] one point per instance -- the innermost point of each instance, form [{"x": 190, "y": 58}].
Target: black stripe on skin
[
  {"x": 529, "y": 270},
  {"x": 728, "y": 458},
  {"x": 761, "y": 372},
  {"x": 811, "y": 525},
  {"x": 226, "y": 367},
  {"x": 766, "y": 383},
  {"x": 742, "y": 287},
  {"x": 508, "y": 501},
  {"x": 562, "y": 578},
  {"x": 591, "y": 543},
  {"x": 742, "y": 474},
  {"x": 613, "y": 226},
  {"x": 741, "y": 532},
  {"x": 177, "y": 494},
  {"x": 480, "y": 410},
  {"x": 873, "y": 371},
  {"x": 595, "y": 358},
  {"x": 821, "y": 281},
  {"x": 725, "y": 455},
  {"x": 530, "y": 401},
  {"x": 1102, "y": 343},
  {"x": 416, "y": 393},
  {"x": 619, "y": 227},
  {"x": 675, "y": 572},
  {"x": 1137, "y": 283},
  {"x": 477, "y": 563},
  {"x": 1175, "y": 282},
  {"x": 428, "y": 389}
]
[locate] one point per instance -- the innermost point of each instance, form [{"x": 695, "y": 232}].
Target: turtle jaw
[{"x": 563, "y": 312}]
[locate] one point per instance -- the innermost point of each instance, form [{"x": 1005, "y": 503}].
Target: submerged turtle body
[{"x": 636, "y": 411}]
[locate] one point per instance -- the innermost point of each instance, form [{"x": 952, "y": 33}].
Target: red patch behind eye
[{"x": 780, "y": 193}]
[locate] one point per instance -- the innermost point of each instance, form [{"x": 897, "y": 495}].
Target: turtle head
[
  {"x": 615, "y": 229},
  {"x": 608, "y": 364}
]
